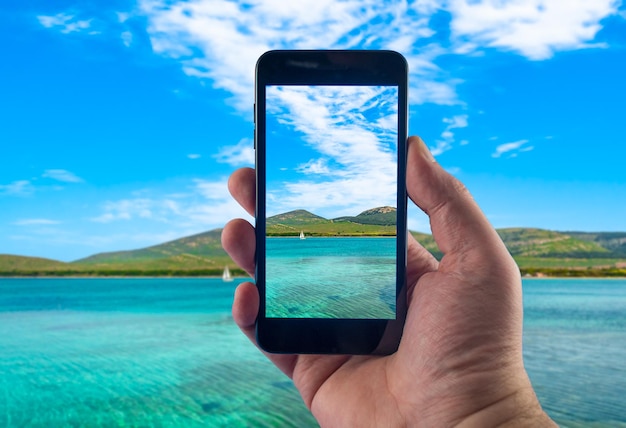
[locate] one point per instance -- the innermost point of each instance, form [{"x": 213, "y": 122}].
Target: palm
[{"x": 461, "y": 346}]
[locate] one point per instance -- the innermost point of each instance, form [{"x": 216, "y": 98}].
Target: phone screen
[{"x": 331, "y": 199}]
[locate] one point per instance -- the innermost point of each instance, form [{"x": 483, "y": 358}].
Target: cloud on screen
[{"x": 351, "y": 132}]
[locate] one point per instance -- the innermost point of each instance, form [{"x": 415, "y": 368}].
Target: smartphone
[{"x": 330, "y": 141}]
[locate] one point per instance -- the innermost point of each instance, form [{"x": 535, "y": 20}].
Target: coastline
[
  {"x": 235, "y": 278},
  {"x": 236, "y": 273},
  {"x": 573, "y": 273},
  {"x": 343, "y": 235}
]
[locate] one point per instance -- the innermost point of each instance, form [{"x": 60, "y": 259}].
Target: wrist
[{"x": 519, "y": 409}]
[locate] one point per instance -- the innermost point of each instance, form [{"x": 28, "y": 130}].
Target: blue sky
[
  {"x": 120, "y": 121},
  {"x": 331, "y": 150}
]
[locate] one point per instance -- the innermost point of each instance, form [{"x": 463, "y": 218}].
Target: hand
[{"x": 460, "y": 357}]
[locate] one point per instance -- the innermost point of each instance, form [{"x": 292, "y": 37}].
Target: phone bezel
[{"x": 330, "y": 67}]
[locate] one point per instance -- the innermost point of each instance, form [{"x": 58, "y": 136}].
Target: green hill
[
  {"x": 546, "y": 252},
  {"x": 546, "y": 243},
  {"x": 296, "y": 218},
  {"x": 383, "y": 216},
  {"x": 374, "y": 222},
  {"x": 203, "y": 247},
  {"x": 200, "y": 254},
  {"x": 15, "y": 265},
  {"x": 612, "y": 241},
  {"x": 537, "y": 251}
]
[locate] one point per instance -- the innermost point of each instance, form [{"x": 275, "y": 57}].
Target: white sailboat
[
  {"x": 226, "y": 277},
  {"x": 302, "y": 235}
]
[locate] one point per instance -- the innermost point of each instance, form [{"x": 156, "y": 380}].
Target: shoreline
[
  {"x": 235, "y": 278},
  {"x": 245, "y": 277},
  {"x": 329, "y": 236}
]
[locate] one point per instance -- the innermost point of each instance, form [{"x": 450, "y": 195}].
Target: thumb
[{"x": 457, "y": 223}]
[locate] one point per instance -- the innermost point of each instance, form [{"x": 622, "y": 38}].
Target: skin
[{"x": 460, "y": 359}]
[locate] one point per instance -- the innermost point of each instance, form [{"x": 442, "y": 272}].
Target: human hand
[{"x": 460, "y": 358}]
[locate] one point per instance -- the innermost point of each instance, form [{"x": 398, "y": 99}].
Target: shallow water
[
  {"x": 165, "y": 352},
  {"x": 354, "y": 278},
  {"x": 575, "y": 349},
  {"x": 133, "y": 352}
]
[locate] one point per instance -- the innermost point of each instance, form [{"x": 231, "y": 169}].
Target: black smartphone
[{"x": 330, "y": 140}]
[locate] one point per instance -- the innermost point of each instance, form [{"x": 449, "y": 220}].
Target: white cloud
[
  {"x": 459, "y": 121},
  {"x": 126, "y": 209},
  {"x": 221, "y": 40},
  {"x": 446, "y": 140},
  {"x": 216, "y": 206},
  {"x": 241, "y": 154},
  {"x": 62, "y": 175},
  {"x": 127, "y": 38},
  {"x": 36, "y": 222},
  {"x": 122, "y": 17},
  {"x": 353, "y": 163},
  {"x": 535, "y": 29},
  {"x": 194, "y": 156},
  {"x": 512, "y": 148},
  {"x": 206, "y": 205},
  {"x": 19, "y": 188},
  {"x": 64, "y": 23},
  {"x": 441, "y": 146},
  {"x": 314, "y": 166}
]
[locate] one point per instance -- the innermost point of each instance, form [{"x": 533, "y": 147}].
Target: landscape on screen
[
  {"x": 379, "y": 221},
  {"x": 309, "y": 257}
]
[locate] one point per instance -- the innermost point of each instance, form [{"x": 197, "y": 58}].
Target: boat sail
[
  {"x": 302, "y": 235},
  {"x": 226, "y": 276}
]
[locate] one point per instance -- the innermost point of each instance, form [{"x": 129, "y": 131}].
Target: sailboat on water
[
  {"x": 226, "y": 276},
  {"x": 302, "y": 235}
]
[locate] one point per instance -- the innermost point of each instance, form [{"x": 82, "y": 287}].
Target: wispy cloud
[
  {"x": 221, "y": 40},
  {"x": 194, "y": 156},
  {"x": 62, "y": 175},
  {"x": 512, "y": 149},
  {"x": 241, "y": 154},
  {"x": 206, "y": 204},
  {"x": 314, "y": 166},
  {"x": 211, "y": 205},
  {"x": 351, "y": 133},
  {"x": 535, "y": 29},
  {"x": 64, "y": 23},
  {"x": 127, "y": 38},
  {"x": 17, "y": 188},
  {"x": 126, "y": 209},
  {"x": 36, "y": 222},
  {"x": 446, "y": 141}
]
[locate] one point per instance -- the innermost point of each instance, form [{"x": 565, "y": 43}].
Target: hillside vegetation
[
  {"x": 541, "y": 252},
  {"x": 197, "y": 255},
  {"x": 375, "y": 222},
  {"x": 537, "y": 252}
]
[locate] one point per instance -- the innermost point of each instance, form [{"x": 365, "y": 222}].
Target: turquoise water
[
  {"x": 575, "y": 349},
  {"x": 165, "y": 353},
  {"x": 133, "y": 352},
  {"x": 331, "y": 278}
]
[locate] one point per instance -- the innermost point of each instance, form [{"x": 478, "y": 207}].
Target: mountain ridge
[
  {"x": 535, "y": 250},
  {"x": 378, "y": 221}
]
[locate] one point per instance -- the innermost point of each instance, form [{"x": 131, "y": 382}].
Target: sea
[
  {"x": 354, "y": 278},
  {"x": 164, "y": 352}
]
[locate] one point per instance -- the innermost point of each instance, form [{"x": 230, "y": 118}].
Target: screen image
[{"x": 331, "y": 198}]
